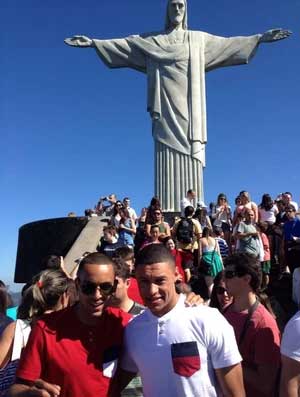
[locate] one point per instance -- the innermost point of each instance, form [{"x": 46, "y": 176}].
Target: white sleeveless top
[{"x": 21, "y": 336}]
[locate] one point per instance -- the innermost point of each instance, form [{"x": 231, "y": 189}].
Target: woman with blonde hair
[{"x": 246, "y": 203}]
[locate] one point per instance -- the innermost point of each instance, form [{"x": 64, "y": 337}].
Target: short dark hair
[
  {"x": 217, "y": 230},
  {"x": 188, "y": 211},
  {"x": 190, "y": 191},
  {"x": 122, "y": 270},
  {"x": 220, "y": 196},
  {"x": 246, "y": 264},
  {"x": 111, "y": 229},
  {"x": 95, "y": 258},
  {"x": 126, "y": 253},
  {"x": 290, "y": 207},
  {"x": 154, "y": 253},
  {"x": 51, "y": 262}
]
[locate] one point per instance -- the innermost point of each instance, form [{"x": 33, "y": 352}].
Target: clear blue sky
[{"x": 72, "y": 130}]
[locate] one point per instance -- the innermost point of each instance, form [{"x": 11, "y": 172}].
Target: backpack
[{"x": 185, "y": 231}]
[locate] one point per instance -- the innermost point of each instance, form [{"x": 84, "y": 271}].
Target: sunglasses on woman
[{"x": 106, "y": 289}]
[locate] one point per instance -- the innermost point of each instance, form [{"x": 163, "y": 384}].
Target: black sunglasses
[
  {"x": 221, "y": 290},
  {"x": 106, "y": 289}
]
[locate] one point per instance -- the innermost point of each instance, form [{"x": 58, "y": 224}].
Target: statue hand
[
  {"x": 79, "y": 41},
  {"x": 274, "y": 35}
]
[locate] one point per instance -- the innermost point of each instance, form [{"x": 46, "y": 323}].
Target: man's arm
[
  {"x": 240, "y": 235},
  {"x": 240, "y": 232},
  {"x": 39, "y": 388},
  {"x": 290, "y": 377},
  {"x": 231, "y": 381},
  {"x": 120, "y": 381}
]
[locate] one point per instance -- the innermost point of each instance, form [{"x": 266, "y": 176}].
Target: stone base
[
  {"x": 170, "y": 216},
  {"x": 50, "y": 237}
]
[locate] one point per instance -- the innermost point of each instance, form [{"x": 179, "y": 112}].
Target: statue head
[{"x": 176, "y": 14}]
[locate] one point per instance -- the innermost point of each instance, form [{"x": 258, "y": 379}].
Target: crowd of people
[
  {"x": 263, "y": 230},
  {"x": 165, "y": 307}
]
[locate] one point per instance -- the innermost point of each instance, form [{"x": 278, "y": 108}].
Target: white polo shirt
[
  {"x": 185, "y": 202},
  {"x": 176, "y": 354},
  {"x": 290, "y": 340}
]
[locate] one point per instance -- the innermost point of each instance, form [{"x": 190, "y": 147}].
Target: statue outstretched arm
[
  {"x": 274, "y": 35},
  {"x": 79, "y": 41},
  {"x": 115, "y": 53}
]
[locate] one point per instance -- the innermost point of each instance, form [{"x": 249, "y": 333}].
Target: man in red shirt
[
  {"x": 75, "y": 352},
  {"x": 255, "y": 328}
]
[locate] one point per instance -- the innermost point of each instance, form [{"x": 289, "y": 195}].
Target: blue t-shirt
[{"x": 291, "y": 228}]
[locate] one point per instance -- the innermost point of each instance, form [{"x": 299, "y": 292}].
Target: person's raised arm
[{"x": 79, "y": 41}]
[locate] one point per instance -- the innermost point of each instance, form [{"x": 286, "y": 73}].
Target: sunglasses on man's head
[{"x": 106, "y": 289}]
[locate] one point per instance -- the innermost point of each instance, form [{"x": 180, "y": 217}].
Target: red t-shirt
[
  {"x": 63, "y": 351},
  {"x": 133, "y": 291},
  {"x": 261, "y": 343}
]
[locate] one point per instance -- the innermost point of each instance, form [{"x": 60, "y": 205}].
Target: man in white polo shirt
[{"x": 178, "y": 351}]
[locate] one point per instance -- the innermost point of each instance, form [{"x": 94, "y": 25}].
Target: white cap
[{"x": 201, "y": 204}]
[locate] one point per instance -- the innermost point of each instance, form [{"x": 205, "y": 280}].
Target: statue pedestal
[
  {"x": 170, "y": 217},
  {"x": 68, "y": 237}
]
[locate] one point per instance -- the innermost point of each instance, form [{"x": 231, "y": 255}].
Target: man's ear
[
  {"x": 128, "y": 282},
  {"x": 247, "y": 278}
]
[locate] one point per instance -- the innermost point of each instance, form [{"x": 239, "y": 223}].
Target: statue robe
[{"x": 176, "y": 98}]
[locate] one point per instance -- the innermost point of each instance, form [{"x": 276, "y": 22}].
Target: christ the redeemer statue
[{"x": 175, "y": 61}]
